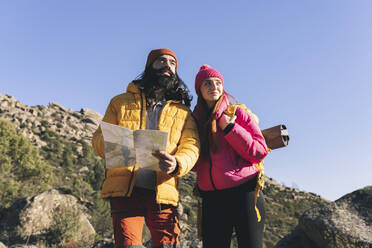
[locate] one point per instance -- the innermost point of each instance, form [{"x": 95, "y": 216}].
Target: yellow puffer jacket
[{"x": 129, "y": 110}]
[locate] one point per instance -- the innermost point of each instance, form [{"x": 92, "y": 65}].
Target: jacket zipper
[
  {"x": 210, "y": 171},
  {"x": 132, "y": 174},
  {"x": 156, "y": 179}
]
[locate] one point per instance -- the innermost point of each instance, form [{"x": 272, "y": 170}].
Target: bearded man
[{"x": 157, "y": 100}]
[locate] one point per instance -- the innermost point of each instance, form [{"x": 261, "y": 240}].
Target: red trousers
[{"x": 129, "y": 213}]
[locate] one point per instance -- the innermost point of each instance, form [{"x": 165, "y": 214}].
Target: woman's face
[{"x": 211, "y": 90}]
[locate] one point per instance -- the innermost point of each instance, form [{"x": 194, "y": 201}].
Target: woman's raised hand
[{"x": 225, "y": 120}]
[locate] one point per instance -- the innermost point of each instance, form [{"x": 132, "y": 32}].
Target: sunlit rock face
[{"x": 347, "y": 222}]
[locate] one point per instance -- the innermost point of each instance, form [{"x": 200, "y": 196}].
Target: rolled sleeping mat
[{"x": 276, "y": 137}]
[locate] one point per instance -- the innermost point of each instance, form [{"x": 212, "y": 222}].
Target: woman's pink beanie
[{"x": 205, "y": 72}]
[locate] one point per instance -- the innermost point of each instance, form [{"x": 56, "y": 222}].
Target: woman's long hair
[
  {"x": 176, "y": 89},
  {"x": 207, "y": 123}
]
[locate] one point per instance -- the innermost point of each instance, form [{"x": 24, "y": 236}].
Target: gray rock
[
  {"x": 359, "y": 202},
  {"x": 105, "y": 243},
  {"x": 40, "y": 107},
  {"x": 20, "y": 105},
  {"x": 296, "y": 239},
  {"x": 91, "y": 127},
  {"x": 346, "y": 222},
  {"x": 180, "y": 209},
  {"x": 23, "y": 246},
  {"x": 31, "y": 218},
  {"x": 57, "y": 106},
  {"x": 89, "y": 120},
  {"x": 91, "y": 114},
  {"x": 84, "y": 169},
  {"x": 4, "y": 104}
]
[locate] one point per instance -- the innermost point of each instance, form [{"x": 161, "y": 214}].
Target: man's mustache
[{"x": 165, "y": 69}]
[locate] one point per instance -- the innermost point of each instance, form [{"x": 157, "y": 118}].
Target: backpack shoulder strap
[{"x": 231, "y": 110}]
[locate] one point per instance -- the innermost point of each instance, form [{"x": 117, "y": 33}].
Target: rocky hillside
[
  {"x": 61, "y": 138},
  {"x": 31, "y": 122}
]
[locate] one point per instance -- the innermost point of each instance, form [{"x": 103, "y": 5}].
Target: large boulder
[
  {"x": 296, "y": 239},
  {"x": 44, "y": 217},
  {"x": 346, "y": 222}
]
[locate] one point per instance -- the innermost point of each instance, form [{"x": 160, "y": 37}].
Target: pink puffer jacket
[{"x": 233, "y": 163}]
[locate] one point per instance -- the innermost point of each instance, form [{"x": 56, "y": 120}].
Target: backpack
[{"x": 230, "y": 111}]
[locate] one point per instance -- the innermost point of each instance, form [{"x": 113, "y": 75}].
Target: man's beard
[{"x": 158, "y": 80}]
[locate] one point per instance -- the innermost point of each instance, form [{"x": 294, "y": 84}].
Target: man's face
[{"x": 166, "y": 64}]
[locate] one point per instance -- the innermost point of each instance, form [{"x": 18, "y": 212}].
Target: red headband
[{"x": 154, "y": 54}]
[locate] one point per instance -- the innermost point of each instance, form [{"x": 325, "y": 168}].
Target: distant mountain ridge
[{"x": 285, "y": 205}]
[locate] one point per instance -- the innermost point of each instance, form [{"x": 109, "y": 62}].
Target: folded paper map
[{"x": 125, "y": 147}]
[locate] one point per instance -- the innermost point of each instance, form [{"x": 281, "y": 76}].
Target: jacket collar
[{"x": 132, "y": 88}]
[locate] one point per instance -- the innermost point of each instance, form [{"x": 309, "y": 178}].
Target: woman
[{"x": 230, "y": 166}]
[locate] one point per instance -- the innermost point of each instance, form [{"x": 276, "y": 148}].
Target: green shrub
[
  {"x": 68, "y": 159},
  {"x": 95, "y": 164},
  {"x": 9, "y": 191},
  {"x": 65, "y": 225},
  {"x": 101, "y": 217},
  {"x": 20, "y": 166}
]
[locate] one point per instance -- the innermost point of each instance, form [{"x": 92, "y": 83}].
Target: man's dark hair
[{"x": 175, "y": 89}]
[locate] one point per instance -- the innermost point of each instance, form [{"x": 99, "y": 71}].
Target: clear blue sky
[{"x": 307, "y": 64}]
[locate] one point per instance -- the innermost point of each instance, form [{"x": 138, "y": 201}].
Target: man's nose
[{"x": 167, "y": 64}]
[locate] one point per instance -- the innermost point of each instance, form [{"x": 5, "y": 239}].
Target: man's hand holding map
[{"x": 125, "y": 147}]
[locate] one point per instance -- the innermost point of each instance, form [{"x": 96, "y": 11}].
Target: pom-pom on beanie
[
  {"x": 205, "y": 72},
  {"x": 154, "y": 54}
]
